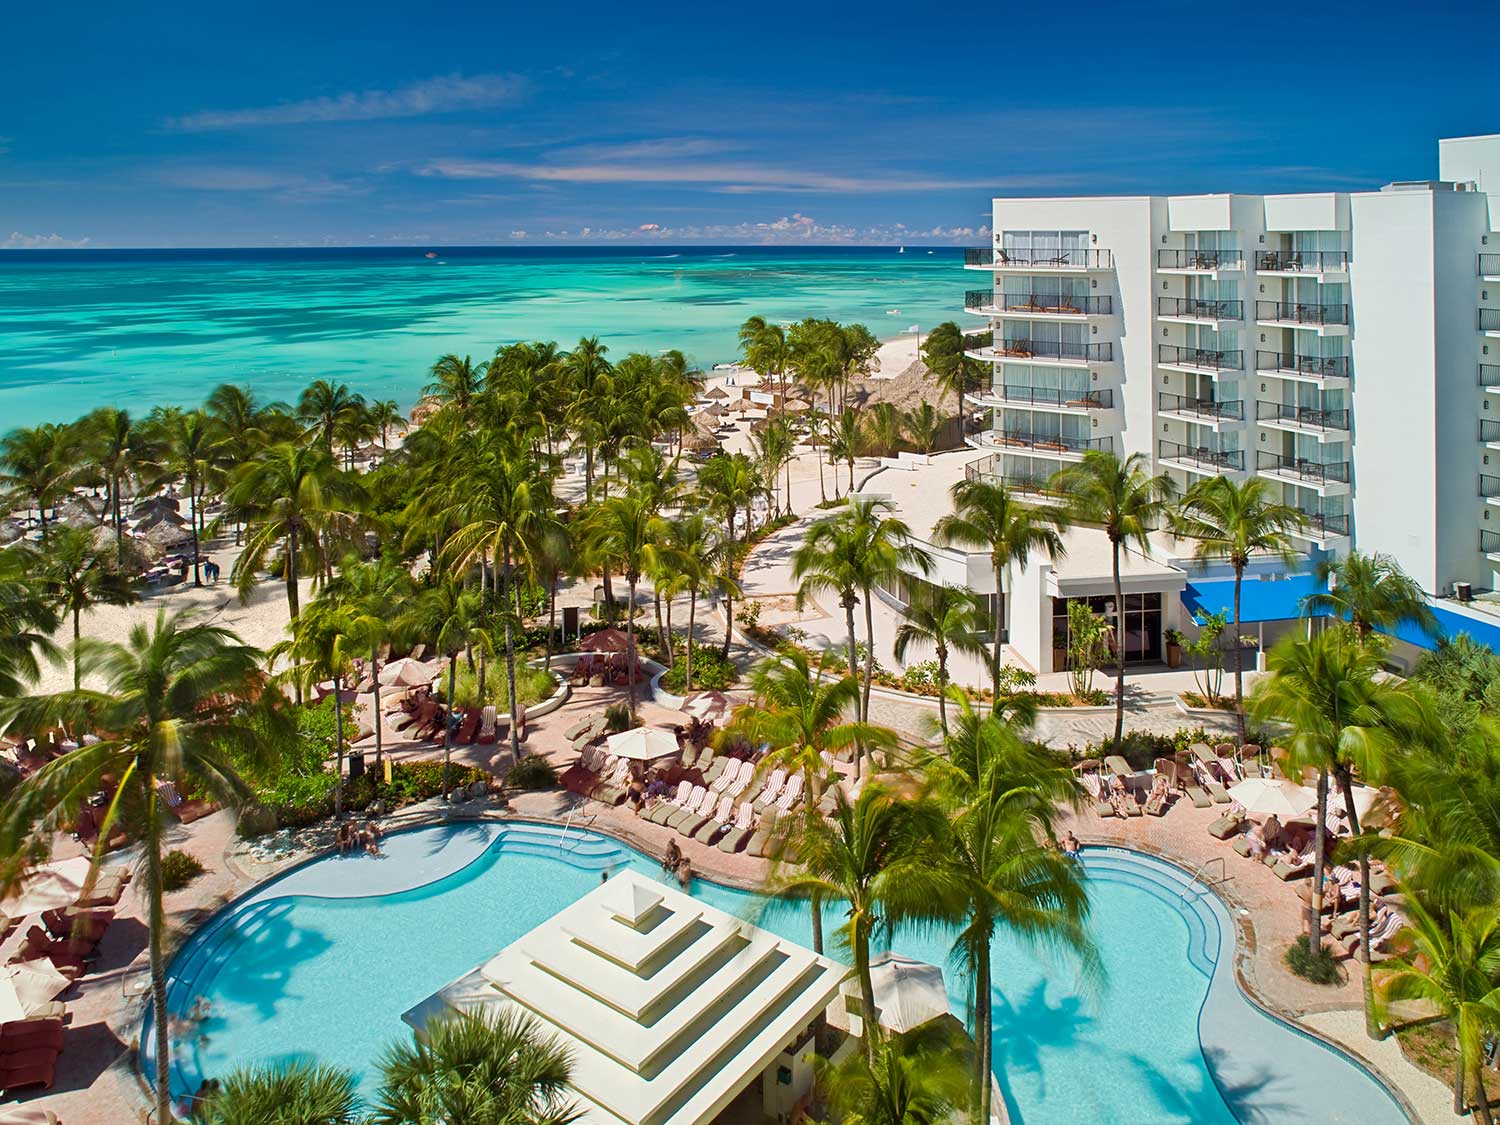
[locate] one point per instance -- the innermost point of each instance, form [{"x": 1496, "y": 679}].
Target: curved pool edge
[
  {"x": 1241, "y": 918},
  {"x": 1237, "y": 914}
]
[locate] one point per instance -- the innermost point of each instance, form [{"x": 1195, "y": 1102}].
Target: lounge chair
[
  {"x": 1118, "y": 766},
  {"x": 30, "y": 1035},
  {"x": 723, "y": 817},
  {"x": 468, "y": 728},
  {"x": 1180, "y": 774},
  {"x": 1291, "y": 866},
  {"x": 694, "y": 817},
  {"x": 791, "y": 796},
  {"x": 28, "y": 1068},
  {"x": 72, "y": 924},
  {"x": 1158, "y": 803},
  {"x": 51, "y": 1010},
  {"x": 729, "y": 776},
  {"x": 712, "y": 772},
  {"x": 665, "y": 807},
  {"x": 1229, "y": 824},
  {"x": 1093, "y": 784},
  {"x": 1381, "y": 932},
  {"x": 761, "y": 838},
  {"x": 740, "y": 831},
  {"x": 772, "y": 790},
  {"x": 740, "y": 785},
  {"x": 186, "y": 811},
  {"x": 578, "y": 728},
  {"x": 1212, "y": 784}
]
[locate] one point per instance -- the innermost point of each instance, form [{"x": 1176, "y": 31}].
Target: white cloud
[
  {"x": 444, "y": 94},
  {"x": 793, "y": 228},
  {"x": 19, "y": 241},
  {"x": 238, "y": 178}
]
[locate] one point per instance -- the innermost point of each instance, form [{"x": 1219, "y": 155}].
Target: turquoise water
[
  {"x": 85, "y": 329},
  {"x": 300, "y": 970}
]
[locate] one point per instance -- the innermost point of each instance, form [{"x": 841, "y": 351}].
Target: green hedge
[
  {"x": 711, "y": 672},
  {"x": 410, "y": 782}
]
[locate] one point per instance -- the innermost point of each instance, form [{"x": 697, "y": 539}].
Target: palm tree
[
  {"x": 774, "y": 447},
  {"x": 115, "y": 445},
  {"x": 847, "y": 441},
  {"x": 290, "y": 494},
  {"x": 987, "y": 516},
  {"x": 296, "y": 1093},
  {"x": 1123, "y": 499},
  {"x": 321, "y": 647},
  {"x": 386, "y": 415},
  {"x": 172, "y": 710},
  {"x": 371, "y": 593},
  {"x": 324, "y": 406},
  {"x": 727, "y": 483},
  {"x": 875, "y": 854},
  {"x": 35, "y": 467},
  {"x": 948, "y": 619},
  {"x": 884, "y": 427},
  {"x": 1372, "y": 592},
  {"x": 77, "y": 575},
  {"x": 1454, "y": 966},
  {"x": 453, "y": 618},
  {"x": 923, "y": 425},
  {"x": 1003, "y": 796},
  {"x": 801, "y": 713},
  {"x": 626, "y": 531},
  {"x": 943, "y": 351},
  {"x": 28, "y": 617},
  {"x": 851, "y": 553},
  {"x": 588, "y": 372},
  {"x": 480, "y": 1069},
  {"x": 695, "y": 553},
  {"x": 1235, "y": 521},
  {"x": 1345, "y": 717},
  {"x": 913, "y": 1079},
  {"x": 187, "y": 455},
  {"x": 769, "y": 352},
  {"x": 457, "y": 381}
]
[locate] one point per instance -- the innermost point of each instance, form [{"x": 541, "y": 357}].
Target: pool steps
[{"x": 1177, "y": 890}]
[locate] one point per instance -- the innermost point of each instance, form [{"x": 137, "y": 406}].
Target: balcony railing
[
  {"x": 1201, "y": 407},
  {"x": 1321, "y": 366},
  {"x": 1489, "y": 431},
  {"x": 1323, "y": 525},
  {"x": 1042, "y": 304},
  {"x": 1053, "y": 349},
  {"x": 1046, "y": 443},
  {"x": 1294, "y": 312},
  {"x": 1489, "y": 264},
  {"x": 1052, "y": 396},
  {"x": 1199, "y": 259},
  {"x": 1489, "y": 541},
  {"x": 1318, "y": 472},
  {"x": 1489, "y": 320},
  {"x": 1036, "y": 484},
  {"x": 1488, "y": 486},
  {"x": 1200, "y": 309},
  {"x": 1040, "y": 258},
  {"x": 1489, "y": 374},
  {"x": 1302, "y": 261},
  {"x": 1218, "y": 460},
  {"x": 1176, "y": 355},
  {"x": 1305, "y": 416}
]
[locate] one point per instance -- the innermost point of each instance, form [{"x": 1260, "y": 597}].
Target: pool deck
[{"x": 97, "y": 1083}]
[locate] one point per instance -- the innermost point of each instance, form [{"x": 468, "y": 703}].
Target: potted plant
[{"x": 1173, "y": 640}]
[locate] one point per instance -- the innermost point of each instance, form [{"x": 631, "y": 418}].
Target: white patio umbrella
[
  {"x": 643, "y": 744},
  {"x": 908, "y": 993},
  {"x": 25, "y": 987},
  {"x": 49, "y": 886},
  {"x": 1279, "y": 797},
  {"x": 407, "y": 672}
]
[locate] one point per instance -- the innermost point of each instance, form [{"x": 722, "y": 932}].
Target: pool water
[{"x": 321, "y": 964}]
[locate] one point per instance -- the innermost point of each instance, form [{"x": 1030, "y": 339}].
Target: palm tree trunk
[
  {"x": 869, "y": 1027},
  {"x": 375, "y": 686},
  {"x": 1119, "y": 652},
  {"x": 510, "y": 672},
  {"x": 687, "y": 671},
  {"x": 869, "y": 653},
  {"x": 1239, "y": 661},
  {"x": 551, "y": 620},
  {"x": 630, "y": 654},
  {"x": 983, "y": 1017},
  {"x": 816, "y": 909},
  {"x": 1372, "y": 1020},
  {"x": 671, "y": 645},
  {"x": 998, "y": 651},
  {"x": 448, "y": 721},
  {"x": 77, "y": 610},
  {"x": 1481, "y": 1095},
  {"x": 1315, "y": 907},
  {"x": 848, "y": 603},
  {"x": 289, "y": 568},
  {"x": 942, "y": 678},
  {"x": 156, "y": 927},
  {"x": 661, "y": 633},
  {"x": 338, "y": 749},
  {"x": 193, "y": 519},
  {"x": 1460, "y": 1106}
]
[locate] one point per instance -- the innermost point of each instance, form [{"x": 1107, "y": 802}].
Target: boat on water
[{"x": 430, "y": 254}]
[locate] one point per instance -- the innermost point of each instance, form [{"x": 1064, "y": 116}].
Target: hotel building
[{"x": 1344, "y": 346}]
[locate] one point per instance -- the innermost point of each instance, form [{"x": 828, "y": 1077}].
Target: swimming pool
[{"x": 322, "y": 962}]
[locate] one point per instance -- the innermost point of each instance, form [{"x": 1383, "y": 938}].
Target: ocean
[{"x": 140, "y": 328}]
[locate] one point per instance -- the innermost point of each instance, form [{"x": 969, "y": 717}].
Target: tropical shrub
[
  {"x": 532, "y": 686},
  {"x": 617, "y": 717},
  {"x": 531, "y": 772},
  {"x": 178, "y": 869},
  {"x": 410, "y": 782},
  {"x": 1321, "y": 967},
  {"x": 711, "y": 671},
  {"x": 1141, "y": 748}
]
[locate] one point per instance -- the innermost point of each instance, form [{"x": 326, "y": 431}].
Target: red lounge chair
[
  {"x": 469, "y": 728},
  {"x": 38, "y": 1035},
  {"x": 28, "y": 1068},
  {"x": 72, "y": 924}
]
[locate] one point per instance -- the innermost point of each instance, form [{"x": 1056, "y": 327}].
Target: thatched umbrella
[{"x": 717, "y": 393}]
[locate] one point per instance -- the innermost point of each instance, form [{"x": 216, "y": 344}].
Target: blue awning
[{"x": 1276, "y": 598}]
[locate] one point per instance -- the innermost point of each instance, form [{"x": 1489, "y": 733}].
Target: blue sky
[{"x": 329, "y": 122}]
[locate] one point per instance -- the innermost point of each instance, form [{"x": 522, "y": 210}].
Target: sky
[{"x": 334, "y": 123}]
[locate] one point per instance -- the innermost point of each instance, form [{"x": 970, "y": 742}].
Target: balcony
[
  {"x": 1302, "y": 419},
  {"x": 1489, "y": 267},
  {"x": 1200, "y": 409},
  {"x": 1051, "y": 445},
  {"x": 1049, "y": 259},
  {"x": 1063, "y": 353},
  {"x": 1302, "y": 315},
  {"x": 1320, "y": 475},
  {"x": 1199, "y": 360},
  {"x": 987, "y": 302},
  {"x": 1199, "y": 261},
  {"x": 1489, "y": 377},
  {"x": 1045, "y": 397},
  {"x": 1489, "y": 432},
  {"x": 1297, "y": 263},
  {"x": 1321, "y": 527},
  {"x": 1489, "y": 321},
  {"x": 1030, "y": 484},
  {"x": 1489, "y": 543},
  {"x": 1198, "y": 310},
  {"x": 1291, "y": 365},
  {"x": 1201, "y": 459},
  {"x": 1489, "y": 489}
]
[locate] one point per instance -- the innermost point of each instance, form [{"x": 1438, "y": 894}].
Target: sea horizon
[{"x": 136, "y": 328}]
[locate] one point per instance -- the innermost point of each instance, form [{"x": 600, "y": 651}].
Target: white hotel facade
[{"x": 1343, "y": 346}]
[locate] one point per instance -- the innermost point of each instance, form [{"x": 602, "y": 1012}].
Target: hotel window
[{"x": 1140, "y": 627}]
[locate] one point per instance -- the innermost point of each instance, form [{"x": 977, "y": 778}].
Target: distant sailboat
[
  {"x": 430, "y": 254},
  {"x": 902, "y": 250}
]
